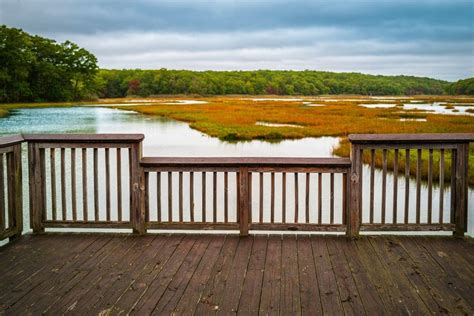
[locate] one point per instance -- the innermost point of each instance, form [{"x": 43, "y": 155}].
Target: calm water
[{"x": 165, "y": 137}]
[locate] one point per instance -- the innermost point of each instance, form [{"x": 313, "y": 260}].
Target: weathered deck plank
[{"x": 202, "y": 274}]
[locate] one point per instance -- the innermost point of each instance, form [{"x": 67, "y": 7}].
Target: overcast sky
[{"x": 433, "y": 38}]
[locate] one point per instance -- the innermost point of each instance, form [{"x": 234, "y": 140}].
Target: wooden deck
[{"x": 201, "y": 274}]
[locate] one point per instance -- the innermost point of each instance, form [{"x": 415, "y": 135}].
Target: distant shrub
[{"x": 230, "y": 137}]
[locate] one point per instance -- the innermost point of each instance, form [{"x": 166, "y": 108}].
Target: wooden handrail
[
  {"x": 10, "y": 140},
  {"x": 245, "y": 161},
  {"x": 454, "y": 138},
  {"x": 84, "y": 138}
]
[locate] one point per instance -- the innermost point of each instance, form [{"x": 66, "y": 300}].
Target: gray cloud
[{"x": 432, "y": 38}]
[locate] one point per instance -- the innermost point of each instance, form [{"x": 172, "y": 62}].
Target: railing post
[
  {"x": 37, "y": 190},
  {"x": 15, "y": 193},
  {"x": 461, "y": 187},
  {"x": 16, "y": 181},
  {"x": 137, "y": 207},
  {"x": 355, "y": 192},
  {"x": 244, "y": 207}
]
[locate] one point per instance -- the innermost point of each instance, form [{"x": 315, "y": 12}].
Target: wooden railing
[
  {"x": 402, "y": 217},
  {"x": 60, "y": 193},
  {"x": 102, "y": 181},
  {"x": 230, "y": 193},
  {"x": 11, "y": 195}
]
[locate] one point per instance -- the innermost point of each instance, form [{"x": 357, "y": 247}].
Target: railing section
[
  {"x": 401, "y": 207},
  {"x": 102, "y": 181},
  {"x": 230, "y": 193},
  {"x": 70, "y": 181},
  {"x": 11, "y": 196}
]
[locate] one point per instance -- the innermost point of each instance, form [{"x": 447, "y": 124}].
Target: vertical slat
[
  {"x": 395, "y": 186},
  {"x": 296, "y": 197},
  {"x": 96, "y": 184},
  {"x": 180, "y": 197},
  {"x": 260, "y": 198},
  {"x": 107, "y": 183},
  {"x": 372, "y": 176},
  {"x": 226, "y": 197},
  {"x": 332, "y": 198},
  {"x": 14, "y": 191},
  {"x": 344, "y": 198},
  {"x": 137, "y": 194},
  {"x": 453, "y": 185},
  {"x": 130, "y": 178},
  {"x": 418, "y": 185},
  {"x": 147, "y": 197},
  {"x": 243, "y": 197},
  {"x": 43, "y": 184},
  {"x": 119, "y": 184},
  {"x": 355, "y": 191},
  {"x": 31, "y": 182},
  {"x": 384, "y": 184},
  {"x": 52, "y": 160},
  {"x": 203, "y": 202},
  {"x": 2, "y": 194},
  {"x": 84, "y": 185},
  {"x": 430, "y": 185},
  {"x": 461, "y": 162},
  {"x": 158, "y": 196},
  {"x": 170, "y": 197},
  {"x": 191, "y": 196},
  {"x": 272, "y": 198},
  {"x": 441, "y": 186},
  {"x": 307, "y": 199},
  {"x": 407, "y": 184},
  {"x": 36, "y": 187},
  {"x": 283, "y": 198},
  {"x": 214, "y": 197},
  {"x": 250, "y": 197},
  {"x": 17, "y": 187},
  {"x": 73, "y": 184},
  {"x": 237, "y": 180},
  {"x": 10, "y": 190},
  {"x": 320, "y": 198},
  {"x": 63, "y": 184}
]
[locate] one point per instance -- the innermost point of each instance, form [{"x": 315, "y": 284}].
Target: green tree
[{"x": 34, "y": 68}]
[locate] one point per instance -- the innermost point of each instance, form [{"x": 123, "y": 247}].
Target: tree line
[
  {"x": 34, "y": 68},
  {"x": 121, "y": 83}
]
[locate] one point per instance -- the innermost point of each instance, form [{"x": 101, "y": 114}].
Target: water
[
  {"x": 164, "y": 137},
  {"x": 439, "y": 108},
  {"x": 429, "y": 108}
]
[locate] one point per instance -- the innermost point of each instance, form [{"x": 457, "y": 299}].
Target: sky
[{"x": 429, "y": 38}]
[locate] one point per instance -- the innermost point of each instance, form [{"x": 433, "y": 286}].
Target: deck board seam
[
  {"x": 353, "y": 278},
  {"x": 207, "y": 280},
  {"x": 172, "y": 276},
  {"x": 263, "y": 275},
  {"x": 405, "y": 277},
  {"x": 132, "y": 261},
  {"x": 126, "y": 289},
  {"x": 31, "y": 277},
  {"x": 193, "y": 271},
  {"x": 245, "y": 273},
  {"x": 324, "y": 239},
  {"x": 104, "y": 257}
]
